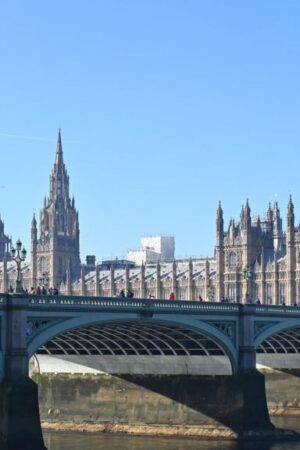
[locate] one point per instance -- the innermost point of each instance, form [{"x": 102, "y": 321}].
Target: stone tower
[
  {"x": 220, "y": 254},
  {"x": 5, "y": 244},
  {"x": 55, "y": 252},
  {"x": 290, "y": 253}
]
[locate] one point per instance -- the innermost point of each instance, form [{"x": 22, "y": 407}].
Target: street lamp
[
  {"x": 18, "y": 255},
  {"x": 248, "y": 274}
]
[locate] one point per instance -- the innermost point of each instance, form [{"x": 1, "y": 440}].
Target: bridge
[{"x": 97, "y": 326}]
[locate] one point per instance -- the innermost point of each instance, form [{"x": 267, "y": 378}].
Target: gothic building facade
[{"x": 254, "y": 258}]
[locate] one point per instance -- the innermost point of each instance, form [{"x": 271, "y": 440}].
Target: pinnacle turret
[
  {"x": 290, "y": 215},
  {"x": 247, "y": 209},
  {"x": 290, "y": 206},
  {"x": 220, "y": 211},
  {"x": 270, "y": 213},
  {"x": 220, "y": 221},
  {"x": 33, "y": 222},
  {"x": 246, "y": 216}
]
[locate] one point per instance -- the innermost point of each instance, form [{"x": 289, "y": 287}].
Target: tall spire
[
  {"x": 59, "y": 180},
  {"x": 58, "y": 244},
  {"x": 59, "y": 153}
]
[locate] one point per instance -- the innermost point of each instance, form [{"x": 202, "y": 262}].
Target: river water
[{"x": 82, "y": 441}]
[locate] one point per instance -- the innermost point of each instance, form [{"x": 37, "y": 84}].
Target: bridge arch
[
  {"x": 107, "y": 321},
  {"x": 275, "y": 329}
]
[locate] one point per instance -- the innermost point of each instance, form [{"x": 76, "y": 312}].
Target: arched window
[
  {"x": 43, "y": 264},
  {"x": 269, "y": 294},
  {"x": 232, "y": 259},
  {"x": 232, "y": 292}
]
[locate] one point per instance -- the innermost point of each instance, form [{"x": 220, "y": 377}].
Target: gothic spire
[
  {"x": 59, "y": 153},
  {"x": 59, "y": 180}
]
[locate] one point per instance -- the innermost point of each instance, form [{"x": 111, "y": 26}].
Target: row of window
[{"x": 233, "y": 293}]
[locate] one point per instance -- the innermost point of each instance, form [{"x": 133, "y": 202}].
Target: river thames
[{"x": 82, "y": 441}]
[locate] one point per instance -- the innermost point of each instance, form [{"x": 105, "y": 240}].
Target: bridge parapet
[
  {"x": 278, "y": 310},
  {"x": 159, "y": 305},
  {"x": 130, "y": 304}
]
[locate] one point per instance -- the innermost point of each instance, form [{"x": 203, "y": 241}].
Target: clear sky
[{"x": 166, "y": 107}]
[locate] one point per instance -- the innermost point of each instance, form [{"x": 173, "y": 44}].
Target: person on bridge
[
  {"x": 129, "y": 294},
  {"x": 171, "y": 296},
  {"x": 200, "y": 299}
]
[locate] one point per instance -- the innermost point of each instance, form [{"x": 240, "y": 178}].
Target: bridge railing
[
  {"x": 108, "y": 303},
  {"x": 136, "y": 304},
  {"x": 276, "y": 309}
]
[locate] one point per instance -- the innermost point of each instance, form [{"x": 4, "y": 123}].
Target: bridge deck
[{"x": 144, "y": 305}]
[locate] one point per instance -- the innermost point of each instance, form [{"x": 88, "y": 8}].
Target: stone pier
[{"x": 20, "y": 427}]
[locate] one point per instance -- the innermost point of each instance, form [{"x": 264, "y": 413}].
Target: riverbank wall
[
  {"x": 282, "y": 391},
  {"x": 119, "y": 399},
  {"x": 230, "y": 401}
]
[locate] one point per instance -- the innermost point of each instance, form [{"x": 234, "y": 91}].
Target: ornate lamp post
[
  {"x": 248, "y": 274},
  {"x": 18, "y": 255}
]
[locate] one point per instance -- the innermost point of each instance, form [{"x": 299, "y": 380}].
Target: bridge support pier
[
  {"x": 20, "y": 427},
  {"x": 247, "y": 351}
]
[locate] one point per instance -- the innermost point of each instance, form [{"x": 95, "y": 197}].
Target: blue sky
[{"x": 166, "y": 107}]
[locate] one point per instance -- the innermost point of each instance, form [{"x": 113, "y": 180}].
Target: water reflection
[
  {"x": 56, "y": 441},
  {"x": 81, "y": 441}
]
